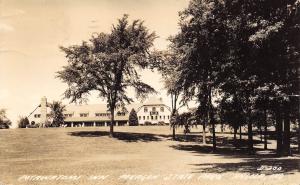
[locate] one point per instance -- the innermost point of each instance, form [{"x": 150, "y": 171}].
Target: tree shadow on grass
[
  {"x": 123, "y": 136},
  {"x": 249, "y": 163},
  {"x": 220, "y": 140},
  {"x": 252, "y": 166},
  {"x": 226, "y": 151}
]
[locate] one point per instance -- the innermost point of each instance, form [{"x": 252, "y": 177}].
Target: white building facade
[{"x": 152, "y": 112}]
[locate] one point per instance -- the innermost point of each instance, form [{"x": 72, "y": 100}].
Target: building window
[
  {"x": 162, "y": 109},
  {"x": 68, "y": 115},
  {"x": 147, "y": 117},
  {"x": 151, "y": 117},
  {"x": 164, "y": 117},
  {"x": 121, "y": 114},
  {"x": 168, "y": 117},
  {"x": 153, "y": 109},
  {"x": 102, "y": 114},
  {"x": 143, "y": 117},
  {"x": 83, "y": 115},
  {"x": 140, "y": 117},
  {"x": 145, "y": 109},
  {"x": 159, "y": 117},
  {"x": 155, "y": 117},
  {"x": 37, "y": 115}
]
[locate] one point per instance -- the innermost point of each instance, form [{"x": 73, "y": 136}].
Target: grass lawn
[{"x": 146, "y": 153}]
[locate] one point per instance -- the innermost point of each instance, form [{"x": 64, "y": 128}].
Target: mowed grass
[{"x": 139, "y": 150}]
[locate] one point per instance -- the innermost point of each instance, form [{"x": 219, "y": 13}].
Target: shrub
[
  {"x": 161, "y": 123},
  {"x": 133, "y": 118},
  {"x": 33, "y": 126},
  {"x": 147, "y": 123},
  {"x": 23, "y": 122}
]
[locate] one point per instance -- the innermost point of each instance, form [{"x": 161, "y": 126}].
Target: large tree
[
  {"x": 168, "y": 67},
  {"x": 202, "y": 41},
  {"x": 261, "y": 39},
  {"x": 275, "y": 42},
  {"x": 108, "y": 65},
  {"x": 231, "y": 113},
  {"x": 245, "y": 49}
]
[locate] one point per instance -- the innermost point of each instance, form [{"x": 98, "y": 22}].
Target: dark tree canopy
[{"x": 246, "y": 52}]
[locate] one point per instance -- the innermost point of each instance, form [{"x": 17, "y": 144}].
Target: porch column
[
  {"x": 105, "y": 124},
  {"x": 94, "y": 123},
  {"x": 127, "y": 123},
  {"x": 82, "y": 124},
  {"x": 72, "y": 125},
  {"x": 117, "y": 123}
]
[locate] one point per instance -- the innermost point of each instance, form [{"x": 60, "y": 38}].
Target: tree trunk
[
  {"x": 279, "y": 134},
  {"x": 203, "y": 134},
  {"x": 234, "y": 136},
  {"x": 212, "y": 120},
  {"x": 265, "y": 130},
  {"x": 240, "y": 133},
  {"x": 260, "y": 133},
  {"x": 173, "y": 135},
  {"x": 299, "y": 136},
  {"x": 174, "y": 98},
  {"x": 112, "y": 121},
  {"x": 250, "y": 137},
  {"x": 222, "y": 127},
  {"x": 287, "y": 135},
  {"x": 214, "y": 136},
  {"x": 250, "y": 131}
]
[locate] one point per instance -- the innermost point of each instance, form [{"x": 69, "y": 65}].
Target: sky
[{"x": 31, "y": 32}]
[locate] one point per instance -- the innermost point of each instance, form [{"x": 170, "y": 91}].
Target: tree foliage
[
  {"x": 108, "y": 64},
  {"x": 5, "y": 123},
  {"x": 57, "y": 113},
  {"x": 167, "y": 67},
  {"x": 23, "y": 122},
  {"x": 246, "y": 52}
]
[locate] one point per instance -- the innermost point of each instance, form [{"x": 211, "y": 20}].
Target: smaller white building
[{"x": 154, "y": 112}]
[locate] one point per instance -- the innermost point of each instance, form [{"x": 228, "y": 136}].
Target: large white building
[{"x": 152, "y": 112}]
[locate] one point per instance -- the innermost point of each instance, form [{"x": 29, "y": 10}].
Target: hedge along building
[{"x": 154, "y": 111}]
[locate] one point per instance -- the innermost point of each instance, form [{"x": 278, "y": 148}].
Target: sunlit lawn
[{"x": 135, "y": 151}]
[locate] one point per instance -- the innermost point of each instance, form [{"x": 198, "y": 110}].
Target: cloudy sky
[{"x": 32, "y": 30}]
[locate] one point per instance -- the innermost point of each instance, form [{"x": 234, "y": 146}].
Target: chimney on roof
[{"x": 43, "y": 109}]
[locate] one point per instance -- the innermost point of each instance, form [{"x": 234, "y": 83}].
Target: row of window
[
  {"x": 101, "y": 114},
  {"x": 85, "y": 115},
  {"x": 153, "y": 117},
  {"x": 162, "y": 109},
  {"x": 39, "y": 115}
]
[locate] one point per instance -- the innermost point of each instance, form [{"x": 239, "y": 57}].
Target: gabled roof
[
  {"x": 82, "y": 108},
  {"x": 95, "y": 108},
  {"x": 154, "y": 101}
]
